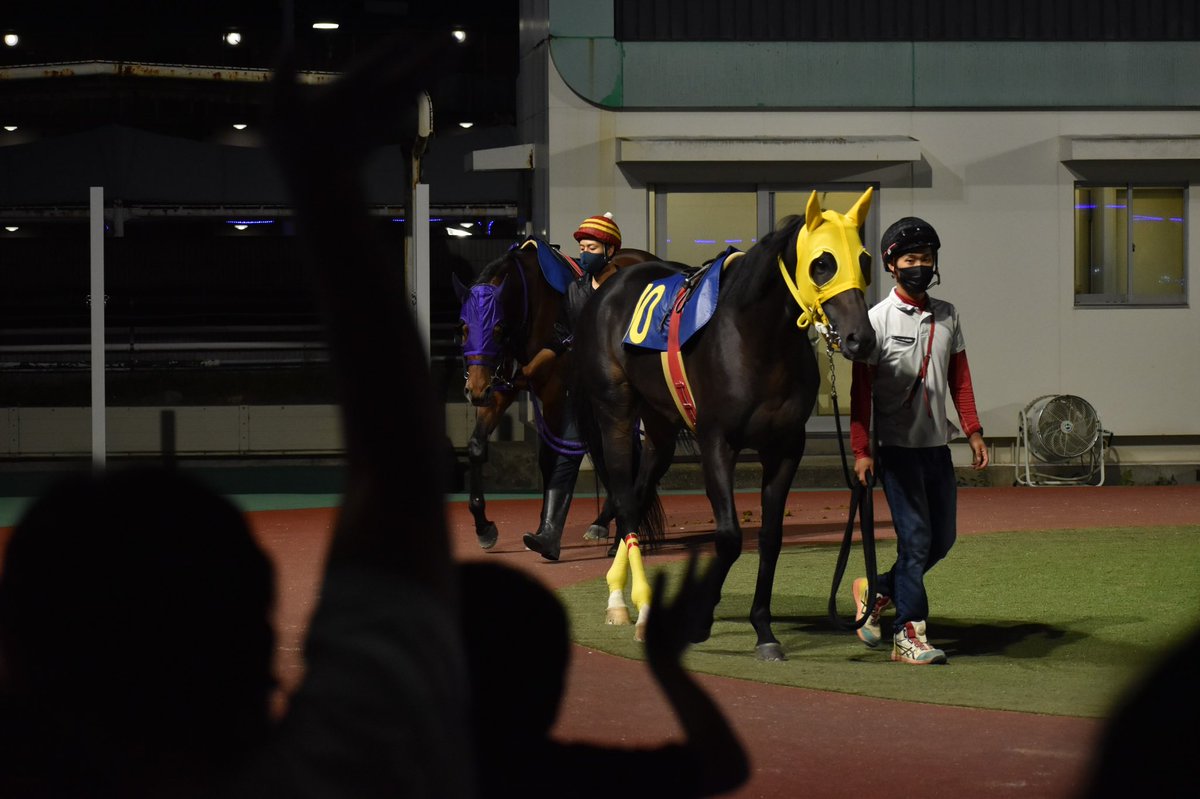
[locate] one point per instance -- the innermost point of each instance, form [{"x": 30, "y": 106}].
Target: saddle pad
[
  {"x": 559, "y": 270},
  {"x": 649, "y": 324}
]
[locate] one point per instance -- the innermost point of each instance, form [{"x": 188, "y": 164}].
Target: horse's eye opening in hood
[{"x": 823, "y": 268}]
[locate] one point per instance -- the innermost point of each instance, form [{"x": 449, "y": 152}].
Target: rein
[
  {"x": 563, "y": 446},
  {"x": 862, "y": 504}
]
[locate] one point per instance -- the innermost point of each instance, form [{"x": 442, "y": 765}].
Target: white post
[
  {"x": 96, "y": 300},
  {"x": 418, "y": 224},
  {"x": 420, "y": 263}
]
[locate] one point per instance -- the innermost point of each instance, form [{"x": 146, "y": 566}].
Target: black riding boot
[{"x": 547, "y": 542}]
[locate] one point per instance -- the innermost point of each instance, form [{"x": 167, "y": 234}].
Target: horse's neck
[
  {"x": 537, "y": 305},
  {"x": 758, "y": 293}
]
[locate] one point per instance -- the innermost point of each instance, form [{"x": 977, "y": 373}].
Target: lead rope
[{"x": 862, "y": 504}]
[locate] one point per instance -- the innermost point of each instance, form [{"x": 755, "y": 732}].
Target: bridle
[
  {"x": 482, "y": 315},
  {"x": 827, "y": 234}
]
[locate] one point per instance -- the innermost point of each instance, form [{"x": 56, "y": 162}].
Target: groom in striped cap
[{"x": 599, "y": 238}]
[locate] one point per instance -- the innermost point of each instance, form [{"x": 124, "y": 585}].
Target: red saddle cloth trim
[
  {"x": 675, "y": 362},
  {"x": 575, "y": 267}
]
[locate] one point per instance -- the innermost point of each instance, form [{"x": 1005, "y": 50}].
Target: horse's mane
[
  {"x": 493, "y": 268},
  {"x": 742, "y": 279}
]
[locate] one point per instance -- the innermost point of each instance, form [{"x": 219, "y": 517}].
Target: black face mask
[
  {"x": 592, "y": 262},
  {"x": 914, "y": 279}
]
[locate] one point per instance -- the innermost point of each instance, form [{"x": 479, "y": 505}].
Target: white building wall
[{"x": 993, "y": 184}]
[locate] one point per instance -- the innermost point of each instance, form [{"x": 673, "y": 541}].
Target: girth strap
[{"x": 672, "y": 361}]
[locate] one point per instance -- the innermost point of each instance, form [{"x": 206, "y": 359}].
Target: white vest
[{"x": 904, "y": 417}]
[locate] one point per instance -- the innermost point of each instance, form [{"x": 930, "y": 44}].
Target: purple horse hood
[{"x": 481, "y": 313}]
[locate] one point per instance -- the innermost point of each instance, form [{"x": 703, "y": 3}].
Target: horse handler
[
  {"x": 919, "y": 362},
  {"x": 599, "y": 238}
]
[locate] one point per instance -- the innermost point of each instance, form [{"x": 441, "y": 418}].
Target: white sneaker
[
  {"x": 869, "y": 633},
  {"x": 909, "y": 645}
]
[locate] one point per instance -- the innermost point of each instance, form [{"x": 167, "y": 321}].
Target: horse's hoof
[
  {"x": 596, "y": 533},
  {"x": 617, "y": 616},
  {"x": 489, "y": 537},
  {"x": 772, "y": 652},
  {"x": 639, "y": 632}
]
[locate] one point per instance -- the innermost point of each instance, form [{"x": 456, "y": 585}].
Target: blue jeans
[{"x": 922, "y": 494}]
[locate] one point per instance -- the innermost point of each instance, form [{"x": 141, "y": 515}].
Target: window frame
[{"x": 1128, "y": 299}]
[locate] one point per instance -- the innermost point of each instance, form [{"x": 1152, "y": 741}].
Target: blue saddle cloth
[
  {"x": 557, "y": 268},
  {"x": 650, "y": 323}
]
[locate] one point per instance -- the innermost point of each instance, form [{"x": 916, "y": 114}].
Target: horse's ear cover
[
  {"x": 858, "y": 214},
  {"x": 812, "y": 212},
  {"x": 459, "y": 289}
]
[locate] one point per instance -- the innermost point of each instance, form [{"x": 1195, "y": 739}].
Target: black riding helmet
[{"x": 908, "y": 235}]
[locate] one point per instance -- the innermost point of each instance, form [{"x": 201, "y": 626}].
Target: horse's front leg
[
  {"x": 778, "y": 473},
  {"x": 487, "y": 418},
  {"x": 717, "y": 459}
]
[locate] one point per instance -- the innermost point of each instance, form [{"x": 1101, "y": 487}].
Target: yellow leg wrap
[
  {"x": 640, "y": 590},
  {"x": 617, "y": 571},
  {"x": 617, "y": 613}
]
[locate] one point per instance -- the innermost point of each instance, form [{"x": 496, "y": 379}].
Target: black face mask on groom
[
  {"x": 592, "y": 262},
  {"x": 914, "y": 279}
]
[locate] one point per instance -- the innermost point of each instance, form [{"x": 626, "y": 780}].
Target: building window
[
  {"x": 700, "y": 225},
  {"x": 1130, "y": 245}
]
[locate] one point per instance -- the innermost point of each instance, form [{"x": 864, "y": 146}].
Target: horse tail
[
  {"x": 685, "y": 439},
  {"x": 654, "y": 517},
  {"x": 653, "y": 529}
]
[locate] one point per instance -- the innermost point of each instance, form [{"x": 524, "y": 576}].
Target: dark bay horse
[
  {"x": 750, "y": 371},
  {"x": 507, "y": 314}
]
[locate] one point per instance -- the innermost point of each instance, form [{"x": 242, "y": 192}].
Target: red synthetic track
[{"x": 802, "y": 743}]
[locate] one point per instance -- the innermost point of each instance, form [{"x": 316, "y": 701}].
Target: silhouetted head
[
  {"x": 135, "y": 619},
  {"x": 517, "y": 640}
]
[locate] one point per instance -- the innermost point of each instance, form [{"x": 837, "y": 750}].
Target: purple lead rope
[{"x": 562, "y": 446}]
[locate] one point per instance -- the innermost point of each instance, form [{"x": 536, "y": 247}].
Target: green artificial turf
[{"x": 1054, "y": 622}]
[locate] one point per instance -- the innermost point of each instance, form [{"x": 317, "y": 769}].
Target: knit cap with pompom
[{"x": 600, "y": 228}]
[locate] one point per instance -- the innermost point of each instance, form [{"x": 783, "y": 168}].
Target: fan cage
[{"x": 1063, "y": 433}]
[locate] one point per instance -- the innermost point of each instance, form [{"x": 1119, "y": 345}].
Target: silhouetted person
[
  {"x": 517, "y": 755},
  {"x": 1146, "y": 746},
  {"x": 134, "y": 606},
  {"x": 135, "y": 638}
]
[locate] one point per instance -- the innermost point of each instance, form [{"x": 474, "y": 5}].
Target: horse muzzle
[{"x": 858, "y": 344}]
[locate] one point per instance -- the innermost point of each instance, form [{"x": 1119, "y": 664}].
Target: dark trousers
[
  {"x": 922, "y": 494},
  {"x": 560, "y": 471}
]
